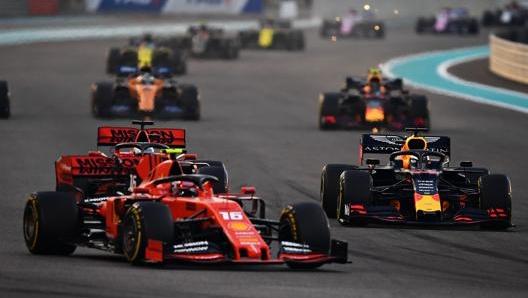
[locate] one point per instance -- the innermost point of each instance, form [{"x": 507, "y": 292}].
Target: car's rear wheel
[
  {"x": 144, "y": 221},
  {"x": 328, "y": 110},
  {"x": 495, "y": 197},
  {"x": 419, "y": 112},
  {"x": 51, "y": 221},
  {"x": 5, "y": 107},
  {"x": 112, "y": 60},
  {"x": 102, "y": 98},
  {"x": 219, "y": 172},
  {"x": 190, "y": 102},
  {"x": 329, "y": 188},
  {"x": 305, "y": 223}
]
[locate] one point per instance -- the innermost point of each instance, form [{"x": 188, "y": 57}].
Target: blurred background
[{"x": 394, "y": 9}]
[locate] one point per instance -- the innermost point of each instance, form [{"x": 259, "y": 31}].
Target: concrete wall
[
  {"x": 10, "y": 8},
  {"x": 401, "y": 9}
]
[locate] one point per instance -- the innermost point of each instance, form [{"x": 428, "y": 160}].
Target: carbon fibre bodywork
[{"x": 415, "y": 187}]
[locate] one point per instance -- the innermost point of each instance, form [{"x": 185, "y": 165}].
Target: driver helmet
[
  {"x": 374, "y": 76},
  {"x": 149, "y": 150},
  {"x": 135, "y": 151},
  {"x": 147, "y": 79}
]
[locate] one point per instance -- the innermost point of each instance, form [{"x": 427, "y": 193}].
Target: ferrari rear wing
[
  {"x": 387, "y": 144},
  {"x": 113, "y": 135}
]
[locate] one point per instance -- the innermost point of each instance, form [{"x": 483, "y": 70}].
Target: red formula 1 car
[
  {"x": 176, "y": 216},
  {"x": 416, "y": 187},
  {"x": 176, "y": 212},
  {"x": 98, "y": 174}
]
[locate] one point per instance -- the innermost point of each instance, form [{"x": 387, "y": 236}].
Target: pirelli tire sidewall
[
  {"x": 306, "y": 223},
  {"x": 51, "y": 222},
  {"x": 143, "y": 221}
]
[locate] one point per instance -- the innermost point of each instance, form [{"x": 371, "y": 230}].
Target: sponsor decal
[
  {"x": 238, "y": 226},
  {"x": 294, "y": 247},
  {"x": 191, "y": 247}
]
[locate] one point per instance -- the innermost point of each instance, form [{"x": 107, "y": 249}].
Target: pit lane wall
[
  {"x": 509, "y": 54},
  {"x": 230, "y": 7}
]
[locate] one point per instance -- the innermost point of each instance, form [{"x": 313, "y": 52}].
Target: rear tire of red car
[
  {"x": 50, "y": 220},
  {"x": 495, "y": 195},
  {"x": 329, "y": 188},
  {"x": 218, "y": 172},
  {"x": 102, "y": 98},
  {"x": 305, "y": 223},
  {"x": 190, "y": 102},
  {"x": 144, "y": 221},
  {"x": 354, "y": 189},
  {"x": 5, "y": 108}
]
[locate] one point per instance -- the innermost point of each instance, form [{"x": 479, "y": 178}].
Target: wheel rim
[
  {"x": 131, "y": 239},
  {"x": 31, "y": 225}
]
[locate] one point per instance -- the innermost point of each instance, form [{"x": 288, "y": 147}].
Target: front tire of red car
[
  {"x": 305, "y": 223},
  {"x": 144, "y": 221}
]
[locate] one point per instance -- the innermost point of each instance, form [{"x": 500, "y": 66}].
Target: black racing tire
[
  {"x": 300, "y": 41},
  {"x": 355, "y": 188},
  {"x": 190, "y": 102},
  {"x": 329, "y": 187},
  {"x": 419, "y": 109},
  {"x": 473, "y": 27},
  {"x": 179, "y": 62},
  {"x": 232, "y": 49},
  {"x": 5, "y": 105},
  {"x": 495, "y": 193},
  {"x": 305, "y": 223},
  {"x": 102, "y": 99},
  {"x": 421, "y": 23},
  {"x": 328, "y": 106},
  {"x": 488, "y": 18},
  {"x": 219, "y": 172},
  {"x": 112, "y": 60},
  {"x": 144, "y": 221},
  {"x": 50, "y": 220}
]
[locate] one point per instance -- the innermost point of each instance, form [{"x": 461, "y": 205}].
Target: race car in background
[
  {"x": 125, "y": 156},
  {"x": 147, "y": 93},
  {"x": 512, "y": 14},
  {"x": 373, "y": 102},
  {"x": 449, "y": 21},
  {"x": 416, "y": 187},
  {"x": 147, "y": 52},
  {"x": 204, "y": 41},
  {"x": 172, "y": 215},
  {"x": 5, "y": 105},
  {"x": 273, "y": 34},
  {"x": 353, "y": 24}
]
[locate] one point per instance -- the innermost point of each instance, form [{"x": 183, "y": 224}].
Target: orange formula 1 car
[
  {"x": 175, "y": 216},
  {"x": 144, "y": 94}
]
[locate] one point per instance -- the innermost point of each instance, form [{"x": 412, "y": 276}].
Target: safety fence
[{"x": 509, "y": 55}]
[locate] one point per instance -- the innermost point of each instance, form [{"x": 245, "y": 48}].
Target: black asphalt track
[{"x": 259, "y": 116}]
